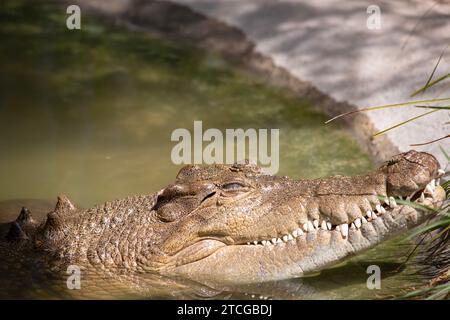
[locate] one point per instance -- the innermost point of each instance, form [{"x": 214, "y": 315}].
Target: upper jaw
[{"x": 431, "y": 195}]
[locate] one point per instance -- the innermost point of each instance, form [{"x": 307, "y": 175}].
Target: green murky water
[{"x": 89, "y": 113}]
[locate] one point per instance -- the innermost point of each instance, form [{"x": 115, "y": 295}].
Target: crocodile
[{"x": 228, "y": 224}]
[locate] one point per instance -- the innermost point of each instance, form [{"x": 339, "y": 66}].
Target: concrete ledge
[{"x": 328, "y": 44}]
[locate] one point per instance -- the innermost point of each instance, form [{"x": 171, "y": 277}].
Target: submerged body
[{"x": 225, "y": 225}]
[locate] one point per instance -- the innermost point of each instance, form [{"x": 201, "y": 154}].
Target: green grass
[{"x": 435, "y": 238}]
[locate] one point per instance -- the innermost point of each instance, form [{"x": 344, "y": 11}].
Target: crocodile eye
[
  {"x": 234, "y": 189},
  {"x": 233, "y": 186}
]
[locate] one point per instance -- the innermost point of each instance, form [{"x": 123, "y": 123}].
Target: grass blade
[
  {"x": 387, "y": 106},
  {"x": 447, "y": 156},
  {"x": 429, "y": 84},
  {"x": 404, "y": 122},
  {"x": 434, "y": 107},
  {"x": 432, "y": 141},
  {"x": 432, "y": 226}
]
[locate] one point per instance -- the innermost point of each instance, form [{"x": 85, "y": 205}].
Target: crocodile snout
[{"x": 409, "y": 172}]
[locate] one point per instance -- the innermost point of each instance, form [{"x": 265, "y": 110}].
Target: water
[{"x": 89, "y": 114}]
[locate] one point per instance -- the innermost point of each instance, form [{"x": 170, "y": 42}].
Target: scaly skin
[{"x": 224, "y": 224}]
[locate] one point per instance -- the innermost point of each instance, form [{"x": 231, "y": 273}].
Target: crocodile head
[{"x": 234, "y": 224}]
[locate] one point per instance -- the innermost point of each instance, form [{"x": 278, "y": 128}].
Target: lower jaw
[{"x": 312, "y": 252}]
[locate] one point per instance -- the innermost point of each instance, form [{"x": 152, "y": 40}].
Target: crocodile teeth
[
  {"x": 358, "y": 223},
  {"x": 294, "y": 233},
  {"x": 392, "y": 202},
  {"x": 316, "y": 224},
  {"x": 374, "y": 216},
  {"x": 440, "y": 171},
  {"x": 310, "y": 226},
  {"x": 344, "y": 230},
  {"x": 422, "y": 197},
  {"x": 279, "y": 240},
  {"x": 248, "y": 243},
  {"x": 352, "y": 226},
  {"x": 290, "y": 237},
  {"x": 264, "y": 242},
  {"x": 274, "y": 240},
  {"x": 323, "y": 226},
  {"x": 363, "y": 220},
  {"x": 431, "y": 187},
  {"x": 386, "y": 200},
  {"x": 383, "y": 210},
  {"x": 329, "y": 225},
  {"x": 338, "y": 228},
  {"x": 369, "y": 213},
  {"x": 285, "y": 238},
  {"x": 300, "y": 232},
  {"x": 378, "y": 208},
  {"x": 305, "y": 227},
  {"x": 255, "y": 242}
]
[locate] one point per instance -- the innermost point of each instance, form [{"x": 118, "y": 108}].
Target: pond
[{"x": 89, "y": 113}]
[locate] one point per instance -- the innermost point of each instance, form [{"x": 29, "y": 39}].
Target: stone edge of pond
[{"x": 182, "y": 24}]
